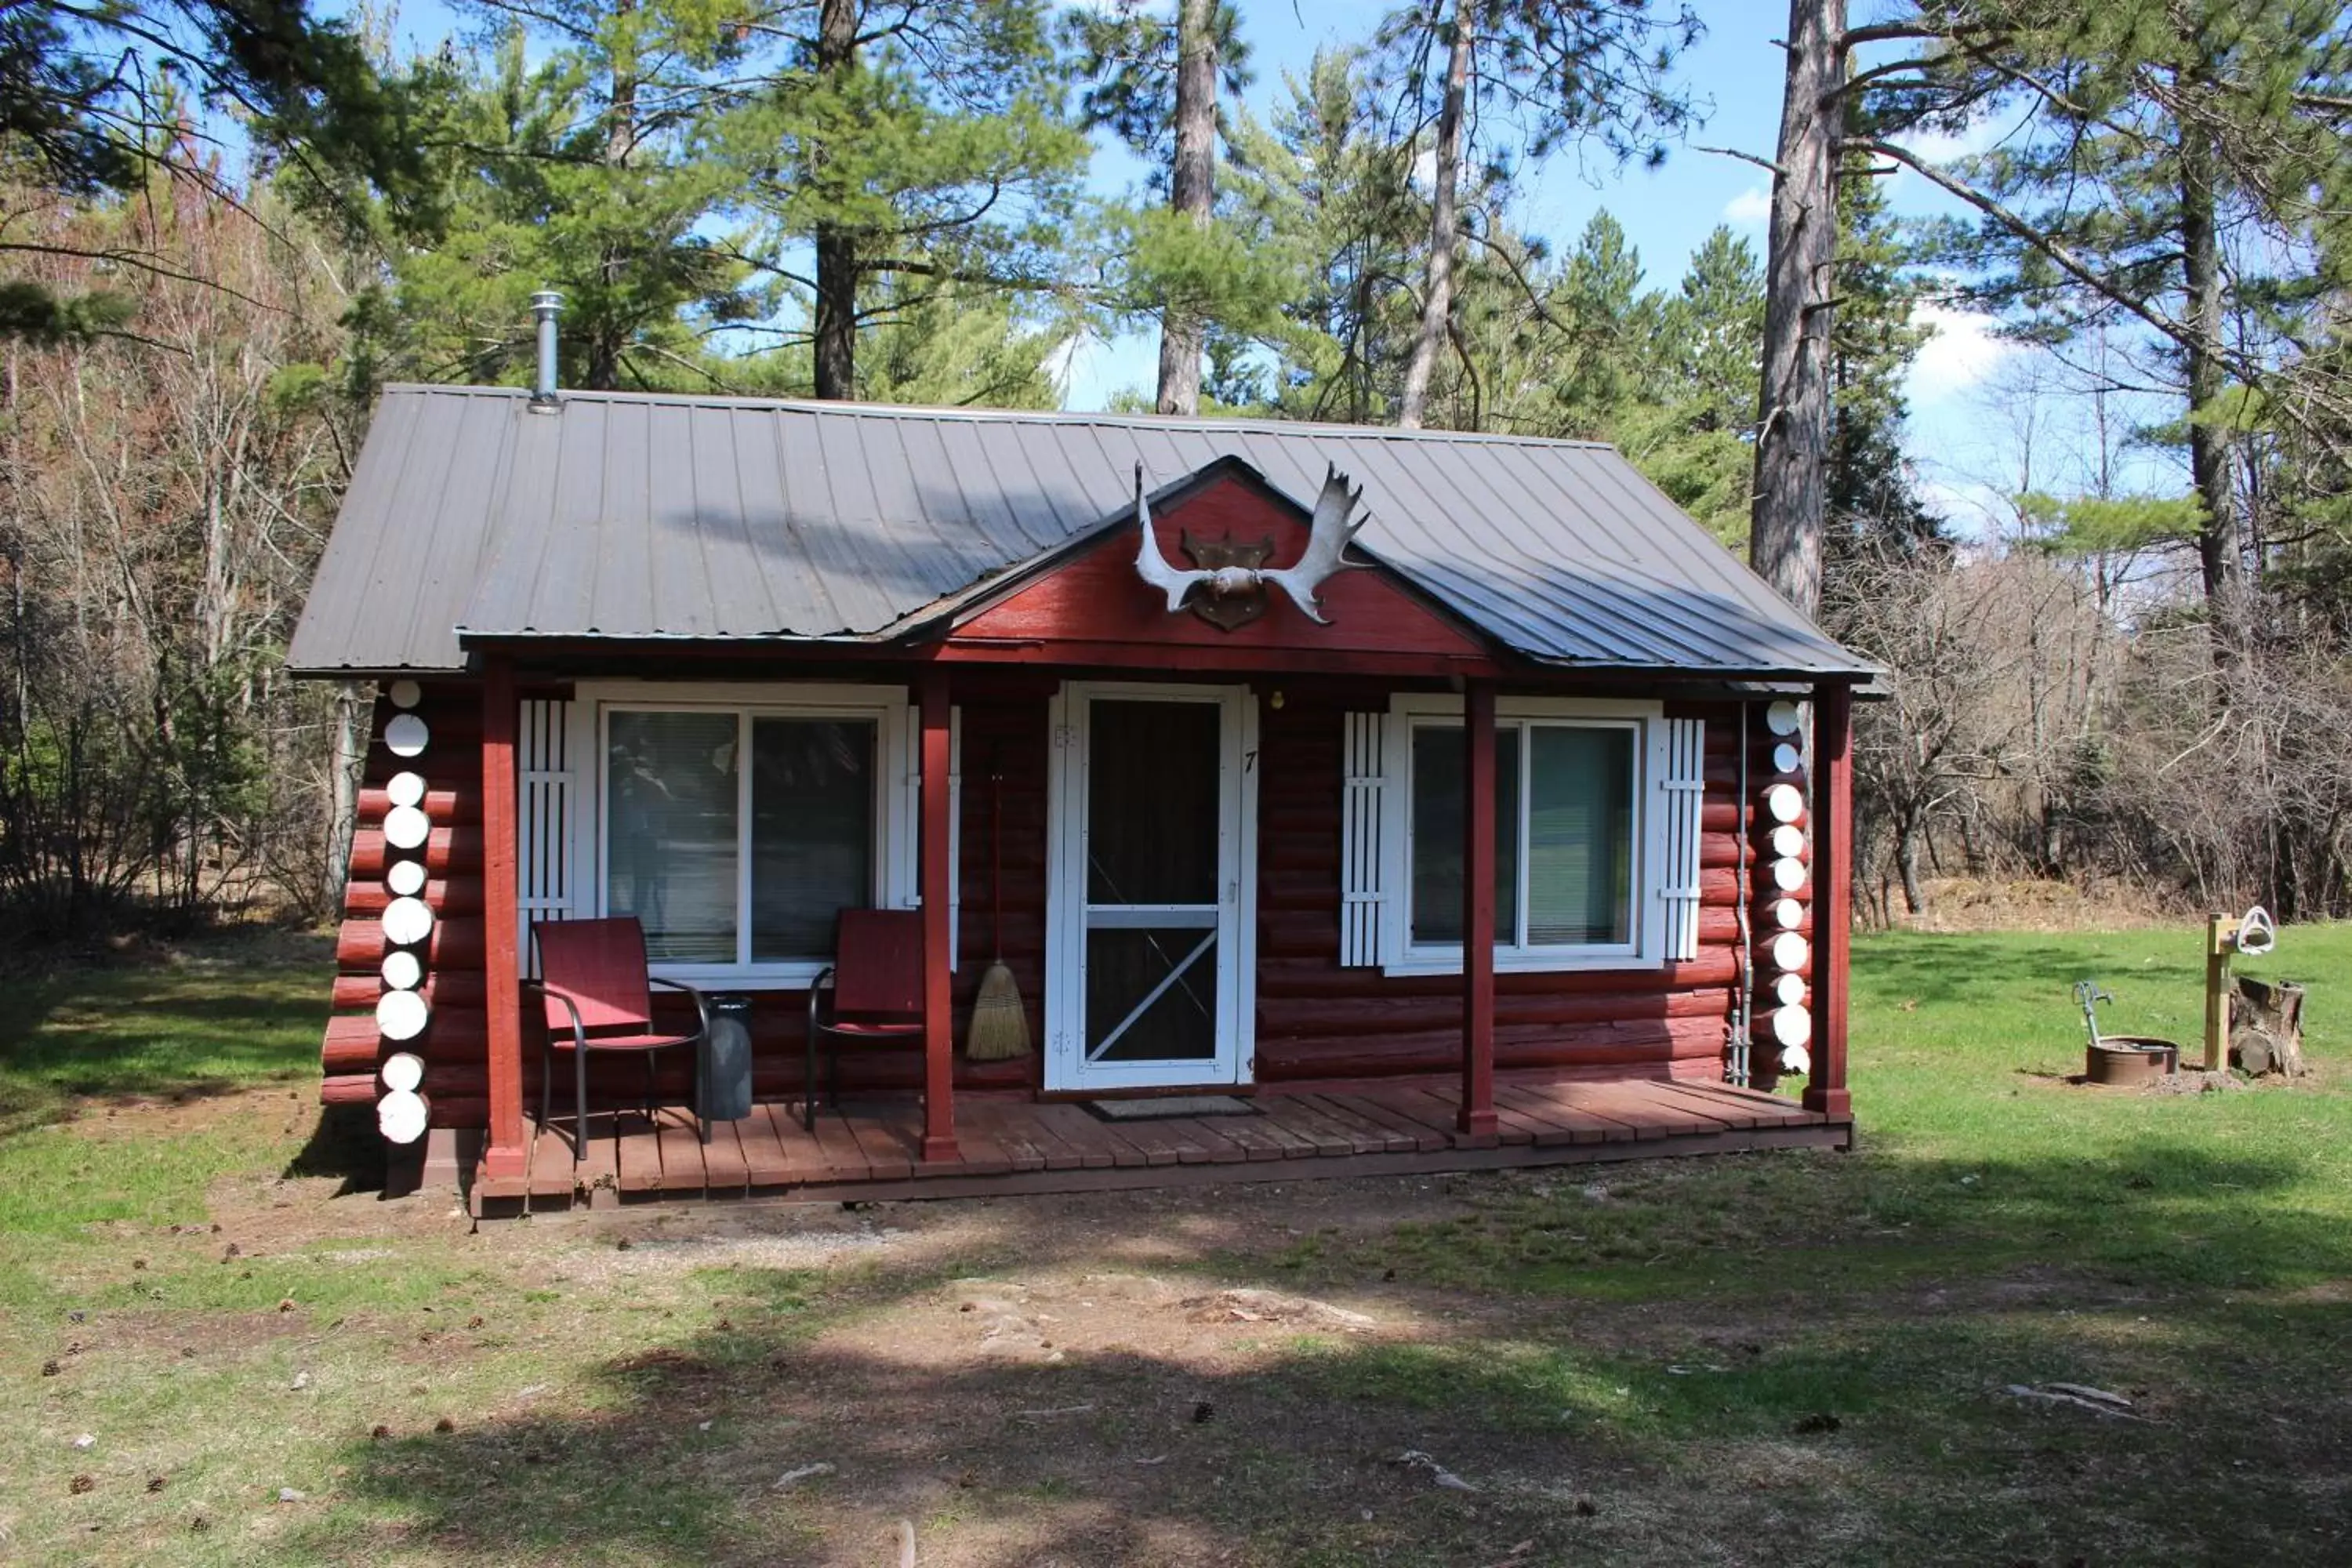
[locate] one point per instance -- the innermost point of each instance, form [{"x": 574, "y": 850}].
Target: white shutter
[
  {"x": 1361, "y": 856},
  {"x": 1682, "y": 797},
  {"x": 544, "y": 829}
]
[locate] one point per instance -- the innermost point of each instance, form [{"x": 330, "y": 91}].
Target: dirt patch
[{"x": 192, "y": 1113}]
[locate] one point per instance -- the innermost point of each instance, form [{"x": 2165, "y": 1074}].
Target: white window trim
[
  {"x": 1401, "y": 955},
  {"x": 897, "y": 806}
]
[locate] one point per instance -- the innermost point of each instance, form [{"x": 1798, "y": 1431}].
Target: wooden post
[
  {"x": 938, "y": 1016},
  {"x": 501, "y": 965},
  {"x": 2220, "y": 930},
  {"x": 1825, "y": 1089},
  {"x": 1477, "y": 1117}
]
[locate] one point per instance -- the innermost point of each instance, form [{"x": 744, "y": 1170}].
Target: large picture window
[
  {"x": 737, "y": 823},
  {"x": 1565, "y": 832},
  {"x": 1595, "y": 834},
  {"x": 738, "y": 838}
]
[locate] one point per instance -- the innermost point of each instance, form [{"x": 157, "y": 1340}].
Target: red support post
[
  {"x": 1476, "y": 1122},
  {"x": 1825, "y": 1089},
  {"x": 501, "y": 964},
  {"x": 939, "y": 1016}
]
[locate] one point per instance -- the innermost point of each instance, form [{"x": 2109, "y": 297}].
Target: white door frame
[{"x": 1066, "y": 1068}]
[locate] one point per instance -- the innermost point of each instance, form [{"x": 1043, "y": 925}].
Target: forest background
[{"x": 2084, "y": 419}]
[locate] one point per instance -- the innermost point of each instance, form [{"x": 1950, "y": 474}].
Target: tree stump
[{"x": 2266, "y": 1027}]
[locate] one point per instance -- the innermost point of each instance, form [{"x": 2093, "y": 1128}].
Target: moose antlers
[{"x": 1328, "y": 535}]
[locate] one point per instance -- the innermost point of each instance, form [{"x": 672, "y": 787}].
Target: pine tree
[
  {"x": 1157, "y": 88},
  {"x": 585, "y": 174},
  {"x": 1325, "y": 189},
  {"x": 1559, "y": 71},
  {"x": 95, "y": 100},
  {"x": 1870, "y": 502},
  {"x": 2183, "y": 155}
]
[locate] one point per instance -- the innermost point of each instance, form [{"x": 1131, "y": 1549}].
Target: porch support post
[
  {"x": 939, "y": 1016},
  {"x": 1825, "y": 1089},
  {"x": 1477, "y": 1117},
  {"x": 501, "y": 965}
]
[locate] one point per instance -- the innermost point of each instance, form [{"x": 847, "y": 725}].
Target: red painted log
[
  {"x": 455, "y": 895},
  {"x": 1370, "y": 1015},
  {"x": 1654, "y": 1041},
  {"x": 454, "y": 944},
  {"x": 349, "y": 1089},
  {"x": 1291, "y": 978},
  {"x": 458, "y": 988},
  {"x": 443, "y": 805},
  {"x": 447, "y": 850}
]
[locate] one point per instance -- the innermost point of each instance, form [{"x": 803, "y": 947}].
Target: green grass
[
  {"x": 1769, "y": 1359},
  {"x": 218, "y": 1017}
]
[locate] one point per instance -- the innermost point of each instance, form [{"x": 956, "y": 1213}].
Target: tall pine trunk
[
  {"x": 1793, "y": 411},
  {"x": 607, "y": 337},
  {"x": 1437, "y": 291},
  {"x": 1193, "y": 189},
  {"x": 836, "y": 245},
  {"x": 2209, "y": 447}
]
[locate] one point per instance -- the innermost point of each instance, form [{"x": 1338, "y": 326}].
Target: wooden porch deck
[{"x": 1010, "y": 1146}]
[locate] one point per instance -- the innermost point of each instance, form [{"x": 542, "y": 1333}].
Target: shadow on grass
[
  {"x": 343, "y": 1144},
  {"x": 220, "y": 1017},
  {"x": 1288, "y": 1451},
  {"x": 1824, "y": 1230}
]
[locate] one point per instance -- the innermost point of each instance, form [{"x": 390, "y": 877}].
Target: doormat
[{"x": 1171, "y": 1105}]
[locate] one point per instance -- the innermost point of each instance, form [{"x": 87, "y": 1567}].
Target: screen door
[{"x": 1150, "y": 974}]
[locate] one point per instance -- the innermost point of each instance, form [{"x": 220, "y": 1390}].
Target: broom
[{"x": 1000, "y": 1024}]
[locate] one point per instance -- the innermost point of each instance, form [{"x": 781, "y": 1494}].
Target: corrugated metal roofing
[{"x": 659, "y": 516}]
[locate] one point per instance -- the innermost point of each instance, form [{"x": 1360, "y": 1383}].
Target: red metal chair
[
  {"x": 600, "y": 999},
  {"x": 877, "y": 975}
]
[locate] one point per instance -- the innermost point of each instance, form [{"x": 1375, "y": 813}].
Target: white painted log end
[
  {"x": 401, "y": 1015},
  {"x": 406, "y": 736},
  {"x": 402, "y": 1115},
  {"x": 407, "y": 922}
]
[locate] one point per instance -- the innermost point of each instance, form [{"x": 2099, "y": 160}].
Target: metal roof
[{"x": 628, "y": 516}]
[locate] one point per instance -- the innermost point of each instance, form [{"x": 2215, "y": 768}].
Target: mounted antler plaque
[
  {"x": 1228, "y": 612},
  {"x": 1227, "y": 587}
]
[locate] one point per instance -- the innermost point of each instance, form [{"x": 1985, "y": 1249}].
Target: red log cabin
[{"x": 1508, "y": 827}]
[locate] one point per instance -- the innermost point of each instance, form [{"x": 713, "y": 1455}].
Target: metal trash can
[{"x": 723, "y": 1084}]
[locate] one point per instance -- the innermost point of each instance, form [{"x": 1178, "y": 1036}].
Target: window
[
  {"x": 738, "y": 821},
  {"x": 1595, "y": 842},
  {"x": 1564, "y": 835}
]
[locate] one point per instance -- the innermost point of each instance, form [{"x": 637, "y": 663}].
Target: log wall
[
  {"x": 1315, "y": 1021},
  {"x": 1318, "y": 1021}
]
